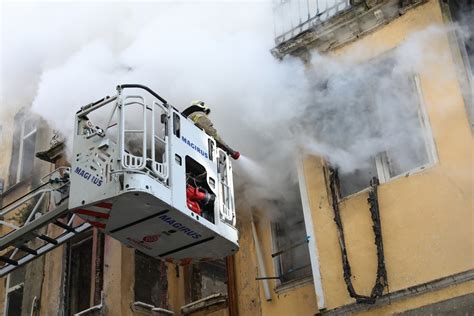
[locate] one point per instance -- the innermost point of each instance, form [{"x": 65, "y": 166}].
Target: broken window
[
  {"x": 151, "y": 281},
  {"x": 205, "y": 279},
  {"x": 23, "y": 148},
  {"x": 396, "y": 128},
  {"x": 290, "y": 242},
  {"x": 14, "y": 292}
]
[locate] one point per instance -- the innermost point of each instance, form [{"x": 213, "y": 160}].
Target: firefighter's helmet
[{"x": 202, "y": 106}]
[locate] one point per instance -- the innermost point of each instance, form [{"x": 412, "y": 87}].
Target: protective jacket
[{"x": 201, "y": 120}]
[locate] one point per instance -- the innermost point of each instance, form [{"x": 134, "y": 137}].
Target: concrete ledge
[
  {"x": 211, "y": 303},
  {"x": 419, "y": 289}
]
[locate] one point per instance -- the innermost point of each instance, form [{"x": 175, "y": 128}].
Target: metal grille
[{"x": 292, "y": 17}]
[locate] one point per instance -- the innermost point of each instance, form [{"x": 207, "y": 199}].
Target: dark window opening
[
  {"x": 14, "y": 301},
  {"x": 79, "y": 276},
  {"x": 14, "y": 292},
  {"x": 205, "y": 279},
  {"x": 357, "y": 180},
  {"x": 84, "y": 279},
  {"x": 462, "y": 12},
  {"x": 290, "y": 241},
  {"x": 151, "y": 281}
]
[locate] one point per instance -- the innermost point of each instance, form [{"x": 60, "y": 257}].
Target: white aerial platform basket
[{"x": 134, "y": 156}]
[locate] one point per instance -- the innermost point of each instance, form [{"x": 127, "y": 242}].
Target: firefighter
[{"x": 198, "y": 112}]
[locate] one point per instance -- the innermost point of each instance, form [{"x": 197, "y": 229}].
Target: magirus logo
[{"x": 196, "y": 148}]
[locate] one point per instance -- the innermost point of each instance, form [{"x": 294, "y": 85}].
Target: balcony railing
[{"x": 292, "y": 17}]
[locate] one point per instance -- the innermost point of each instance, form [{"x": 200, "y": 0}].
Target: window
[
  {"x": 14, "y": 292},
  {"x": 397, "y": 121},
  {"x": 84, "y": 286},
  {"x": 205, "y": 279},
  {"x": 290, "y": 241},
  {"x": 23, "y": 149},
  {"x": 462, "y": 12},
  {"x": 151, "y": 281},
  {"x": 79, "y": 276}
]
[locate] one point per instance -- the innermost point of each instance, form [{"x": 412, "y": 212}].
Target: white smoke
[{"x": 59, "y": 57}]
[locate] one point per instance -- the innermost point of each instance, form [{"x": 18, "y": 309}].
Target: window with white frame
[
  {"x": 23, "y": 148},
  {"x": 408, "y": 142},
  {"x": 27, "y": 148},
  {"x": 290, "y": 242},
  {"x": 14, "y": 292}
]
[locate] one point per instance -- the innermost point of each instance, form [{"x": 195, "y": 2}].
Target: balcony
[{"x": 328, "y": 24}]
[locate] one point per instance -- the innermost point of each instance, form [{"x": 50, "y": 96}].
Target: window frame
[
  {"x": 278, "y": 266},
  {"x": 382, "y": 164},
  {"x": 9, "y": 290},
  {"x": 137, "y": 301},
  {"x": 382, "y": 160},
  {"x": 23, "y": 138},
  {"x": 277, "y": 260},
  {"x": 97, "y": 253},
  {"x": 195, "y": 270},
  {"x": 17, "y": 154},
  {"x": 460, "y": 56}
]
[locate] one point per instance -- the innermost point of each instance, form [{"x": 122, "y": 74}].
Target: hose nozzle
[{"x": 233, "y": 153}]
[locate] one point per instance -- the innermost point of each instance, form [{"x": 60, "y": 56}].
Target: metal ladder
[{"x": 16, "y": 246}]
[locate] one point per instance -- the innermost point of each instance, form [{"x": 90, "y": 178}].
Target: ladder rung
[
  {"x": 28, "y": 250},
  {"x": 8, "y": 260},
  {"x": 66, "y": 227},
  {"x": 133, "y": 131},
  {"x": 48, "y": 239}
]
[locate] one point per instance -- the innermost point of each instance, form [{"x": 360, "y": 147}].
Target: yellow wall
[
  {"x": 422, "y": 300},
  {"x": 251, "y": 298},
  {"x": 426, "y": 217}
]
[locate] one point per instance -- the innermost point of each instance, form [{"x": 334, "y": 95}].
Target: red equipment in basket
[{"x": 194, "y": 196}]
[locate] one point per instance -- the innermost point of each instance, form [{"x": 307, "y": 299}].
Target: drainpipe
[{"x": 261, "y": 266}]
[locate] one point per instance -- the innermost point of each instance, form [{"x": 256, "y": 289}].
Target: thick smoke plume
[{"x": 58, "y": 57}]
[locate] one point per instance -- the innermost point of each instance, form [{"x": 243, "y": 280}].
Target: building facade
[{"x": 402, "y": 243}]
